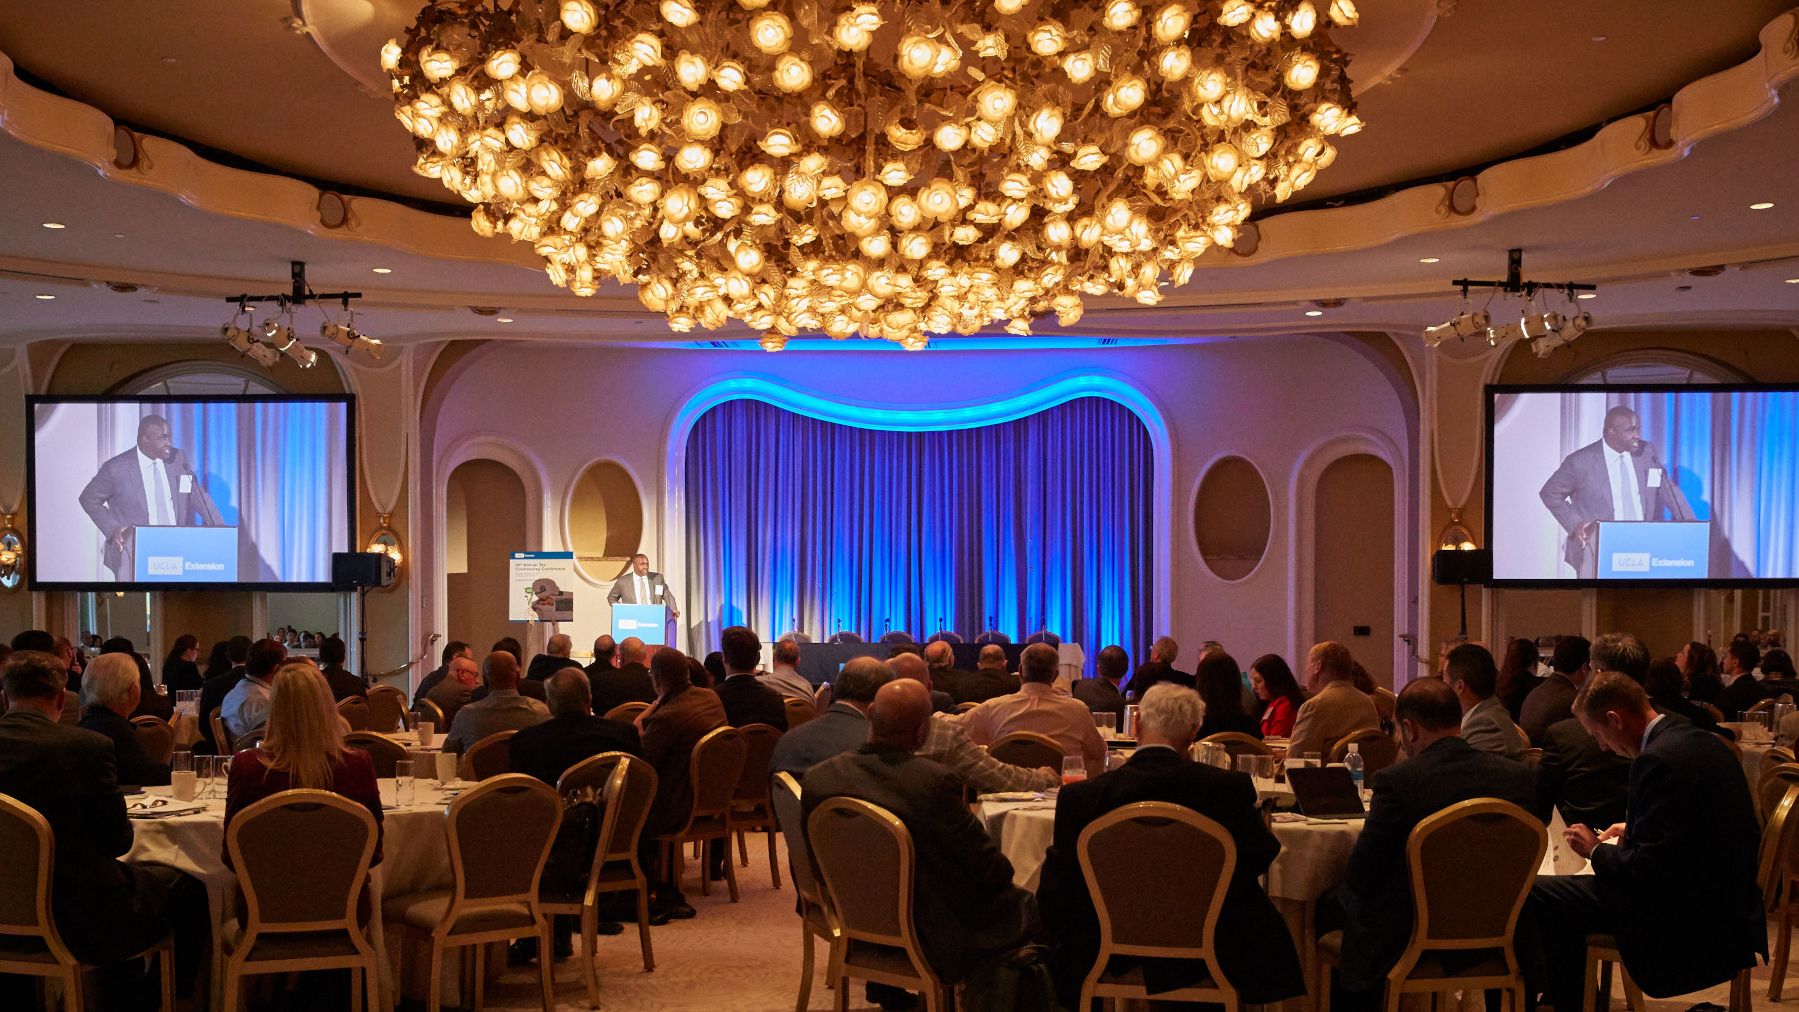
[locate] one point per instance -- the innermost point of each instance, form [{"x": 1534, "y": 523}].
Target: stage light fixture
[
  {"x": 276, "y": 336},
  {"x": 1569, "y": 329},
  {"x": 1544, "y": 329},
  {"x": 1465, "y": 324},
  {"x": 1536, "y": 325},
  {"x": 1497, "y": 336},
  {"x": 347, "y": 337}
]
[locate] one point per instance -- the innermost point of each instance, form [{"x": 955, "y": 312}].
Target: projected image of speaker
[{"x": 361, "y": 570}]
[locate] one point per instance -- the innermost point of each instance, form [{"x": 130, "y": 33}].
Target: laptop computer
[{"x": 1326, "y": 793}]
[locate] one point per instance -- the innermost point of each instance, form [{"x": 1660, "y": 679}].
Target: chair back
[
  {"x": 759, "y": 747},
  {"x": 248, "y": 739},
  {"x": 822, "y": 696},
  {"x": 945, "y": 636},
  {"x": 156, "y": 735},
  {"x": 1762, "y": 706},
  {"x": 844, "y": 637},
  {"x": 490, "y": 757},
  {"x": 30, "y": 849},
  {"x": 1453, "y": 909},
  {"x": 385, "y": 752},
  {"x": 1717, "y": 714},
  {"x": 896, "y": 637},
  {"x": 1237, "y": 743},
  {"x": 1384, "y": 703},
  {"x": 993, "y": 636},
  {"x": 319, "y": 893},
  {"x": 1377, "y": 749},
  {"x": 632, "y": 799},
  {"x": 784, "y": 796},
  {"x": 1533, "y": 757},
  {"x": 221, "y": 739},
  {"x": 606, "y": 779},
  {"x": 500, "y": 834},
  {"x": 1772, "y": 785},
  {"x": 355, "y": 711},
  {"x": 387, "y": 710},
  {"x": 1163, "y": 909},
  {"x": 1777, "y": 754},
  {"x": 1779, "y": 838},
  {"x": 717, "y": 767},
  {"x": 1028, "y": 749},
  {"x": 626, "y": 712},
  {"x": 425, "y": 709},
  {"x": 798, "y": 711},
  {"x": 796, "y": 636},
  {"x": 865, "y": 857},
  {"x": 1044, "y": 636}
]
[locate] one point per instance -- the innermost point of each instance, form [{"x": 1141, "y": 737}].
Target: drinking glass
[
  {"x": 205, "y": 771},
  {"x": 181, "y": 761},
  {"x": 1313, "y": 759},
  {"x": 403, "y": 781},
  {"x": 1074, "y": 769},
  {"x": 1265, "y": 766},
  {"x": 1246, "y": 764}
]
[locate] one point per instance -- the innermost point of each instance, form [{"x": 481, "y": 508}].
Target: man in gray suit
[
  {"x": 1485, "y": 723},
  {"x": 640, "y": 586},
  {"x": 1617, "y": 477},
  {"x": 841, "y": 728},
  {"x": 151, "y": 484}
]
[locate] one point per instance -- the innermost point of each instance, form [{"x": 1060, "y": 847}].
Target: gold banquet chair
[
  {"x": 387, "y": 710},
  {"x": 301, "y": 915},
  {"x": 750, "y": 809},
  {"x": 384, "y": 752},
  {"x": 1236, "y": 743},
  {"x": 815, "y": 912},
  {"x": 1172, "y": 914},
  {"x": 1452, "y": 912},
  {"x": 865, "y": 856},
  {"x": 489, "y": 757},
  {"x": 798, "y": 711},
  {"x": 29, "y": 943},
  {"x": 626, "y": 712},
  {"x": 1780, "y": 879},
  {"x": 156, "y": 735},
  {"x": 425, "y": 709},
  {"x": 606, "y": 775},
  {"x": 716, "y": 767},
  {"x": 355, "y": 712},
  {"x": 1029, "y": 750},
  {"x": 1377, "y": 749}
]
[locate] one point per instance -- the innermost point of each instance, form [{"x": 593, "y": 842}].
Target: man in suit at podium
[
  {"x": 640, "y": 586},
  {"x": 1617, "y": 477},
  {"x": 150, "y": 484}
]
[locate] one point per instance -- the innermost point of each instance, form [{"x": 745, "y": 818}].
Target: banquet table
[{"x": 1753, "y": 755}]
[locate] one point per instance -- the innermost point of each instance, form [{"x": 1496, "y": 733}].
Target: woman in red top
[
  {"x": 1274, "y": 684},
  {"x": 303, "y": 747}
]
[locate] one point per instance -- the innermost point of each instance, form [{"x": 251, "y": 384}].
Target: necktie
[
  {"x": 1627, "y": 505},
  {"x": 643, "y": 591},
  {"x": 163, "y": 519}
]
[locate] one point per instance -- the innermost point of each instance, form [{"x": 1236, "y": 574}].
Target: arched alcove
[
  {"x": 604, "y": 520},
  {"x": 1353, "y": 549},
  {"x": 1232, "y": 518},
  {"x": 484, "y": 519}
]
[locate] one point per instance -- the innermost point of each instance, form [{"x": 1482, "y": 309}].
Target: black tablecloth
[{"x": 820, "y": 662}]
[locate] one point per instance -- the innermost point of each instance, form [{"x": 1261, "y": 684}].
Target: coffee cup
[
  {"x": 182, "y": 784},
  {"x": 427, "y": 732},
  {"x": 446, "y": 767}
]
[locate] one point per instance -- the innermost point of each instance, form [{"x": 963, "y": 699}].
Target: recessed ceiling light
[
  {"x": 118, "y": 235},
  {"x": 1692, "y": 217},
  {"x": 1427, "y": 260},
  {"x": 1761, "y": 205},
  {"x": 1598, "y": 38},
  {"x": 168, "y": 59},
  {"x": 1793, "y": 281},
  {"x": 54, "y": 224},
  {"x": 502, "y": 319},
  {"x": 45, "y": 296},
  {"x": 382, "y": 270},
  {"x": 1587, "y": 295},
  {"x": 1314, "y": 312}
]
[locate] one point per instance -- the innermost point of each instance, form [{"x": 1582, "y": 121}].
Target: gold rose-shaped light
[{"x": 887, "y": 170}]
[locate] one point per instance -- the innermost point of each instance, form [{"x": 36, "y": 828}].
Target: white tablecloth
[{"x": 1752, "y": 761}]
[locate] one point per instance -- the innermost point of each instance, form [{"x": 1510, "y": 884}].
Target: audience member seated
[
  {"x": 1686, "y": 856},
  {"x": 1274, "y": 684},
  {"x": 940, "y": 657},
  {"x": 988, "y": 679},
  {"x": 451, "y": 651},
  {"x": 1100, "y": 694},
  {"x": 109, "y": 697},
  {"x": 331, "y": 664},
  {"x": 1662, "y": 683},
  {"x": 246, "y": 707},
  {"x": 1741, "y": 690},
  {"x": 554, "y": 658},
  {"x": 528, "y": 688},
  {"x": 1553, "y": 698},
  {"x": 1255, "y": 949},
  {"x": 1517, "y": 675},
  {"x": 1373, "y": 906},
  {"x": 454, "y": 692},
  {"x": 572, "y": 733},
  {"x": 1778, "y": 676},
  {"x": 1578, "y": 778},
  {"x": 1337, "y": 708},
  {"x": 965, "y": 907},
  {"x": 950, "y": 746},
  {"x": 150, "y": 702},
  {"x": 910, "y": 664},
  {"x": 510, "y": 645},
  {"x": 1700, "y": 672},
  {"x": 106, "y": 910},
  {"x": 627, "y": 683},
  {"x": 785, "y": 678},
  {"x": 1485, "y": 723},
  {"x": 1159, "y": 668},
  {"x": 746, "y": 700},
  {"x": 502, "y": 709},
  {"x": 75, "y": 660},
  {"x": 843, "y": 727},
  {"x": 180, "y": 673},
  {"x": 681, "y": 715},
  {"x": 1038, "y": 707},
  {"x": 1220, "y": 684},
  {"x": 217, "y": 687},
  {"x": 605, "y": 657}
]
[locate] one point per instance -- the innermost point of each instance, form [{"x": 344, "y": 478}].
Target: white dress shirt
[
  {"x": 157, "y": 486},
  {"x": 1627, "y": 500}
]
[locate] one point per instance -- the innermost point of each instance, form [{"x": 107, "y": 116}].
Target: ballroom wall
[{"x": 1288, "y": 405}]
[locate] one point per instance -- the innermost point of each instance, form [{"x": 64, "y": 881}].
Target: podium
[
  {"x": 647, "y": 622},
  {"x": 1653, "y": 550},
  {"x": 184, "y": 554}
]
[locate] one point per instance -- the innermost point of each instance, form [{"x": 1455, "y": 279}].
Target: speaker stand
[
  {"x": 1462, "y": 589},
  {"x": 362, "y": 630}
]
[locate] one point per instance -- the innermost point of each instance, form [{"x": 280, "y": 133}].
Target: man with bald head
[
  {"x": 940, "y": 657},
  {"x": 949, "y": 745},
  {"x": 907, "y": 664},
  {"x": 554, "y": 658},
  {"x": 501, "y": 709},
  {"x": 629, "y": 682},
  {"x": 965, "y": 907},
  {"x": 988, "y": 679}
]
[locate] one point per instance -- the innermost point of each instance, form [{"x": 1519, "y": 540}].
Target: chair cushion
[
  {"x": 26, "y": 949},
  {"x": 883, "y": 958},
  {"x": 294, "y": 945},
  {"x": 1455, "y": 963},
  {"x": 427, "y": 909},
  {"x": 1128, "y": 970}
]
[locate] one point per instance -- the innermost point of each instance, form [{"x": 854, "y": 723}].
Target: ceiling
[{"x": 1454, "y": 87}]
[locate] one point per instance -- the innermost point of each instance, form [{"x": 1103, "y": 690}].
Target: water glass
[
  {"x": 1107, "y": 722},
  {"x": 405, "y": 791},
  {"x": 1074, "y": 769},
  {"x": 181, "y": 761},
  {"x": 1313, "y": 760},
  {"x": 1265, "y": 765},
  {"x": 1130, "y": 720}
]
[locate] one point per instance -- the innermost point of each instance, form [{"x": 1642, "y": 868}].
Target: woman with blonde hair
[{"x": 302, "y": 747}]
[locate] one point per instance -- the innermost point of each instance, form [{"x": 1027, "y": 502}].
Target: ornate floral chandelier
[{"x": 887, "y": 169}]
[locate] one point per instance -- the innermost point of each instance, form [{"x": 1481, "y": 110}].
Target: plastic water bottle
[{"x": 1354, "y": 761}]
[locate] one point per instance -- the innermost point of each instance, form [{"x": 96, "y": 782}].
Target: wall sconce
[
  {"x": 12, "y": 554},
  {"x": 1456, "y": 537},
  {"x": 386, "y": 540}
]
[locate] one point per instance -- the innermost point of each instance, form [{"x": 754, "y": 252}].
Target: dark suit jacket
[
  {"x": 1693, "y": 713},
  {"x": 1550, "y": 702},
  {"x": 1740, "y": 695},
  {"x": 132, "y": 765},
  {"x": 1255, "y": 949},
  {"x": 344, "y": 685},
  {"x": 1578, "y": 778},
  {"x": 212, "y": 694},
  {"x": 428, "y": 683},
  {"x": 841, "y": 728},
  {"x": 1377, "y": 891},
  {"x": 980, "y": 686},
  {"x": 545, "y": 665},
  {"x": 547, "y": 750},
  {"x": 66, "y": 774},
  {"x": 179, "y": 674},
  {"x": 1581, "y": 490},
  {"x": 1689, "y": 856},
  {"x": 629, "y": 684},
  {"x": 672, "y": 726},
  {"x": 965, "y": 906},
  {"x": 1218, "y": 723},
  {"x": 1151, "y": 672},
  {"x": 1101, "y": 696},
  {"x": 747, "y": 701},
  {"x": 114, "y": 498}
]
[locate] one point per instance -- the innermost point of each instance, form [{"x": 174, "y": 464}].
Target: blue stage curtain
[{"x": 1040, "y": 523}]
